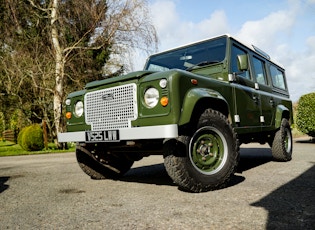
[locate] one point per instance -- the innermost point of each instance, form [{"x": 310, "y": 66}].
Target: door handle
[
  {"x": 271, "y": 102},
  {"x": 255, "y": 98}
]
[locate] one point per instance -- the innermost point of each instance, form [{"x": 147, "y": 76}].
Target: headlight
[
  {"x": 151, "y": 97},
  {"x": 78, "y": 109}
]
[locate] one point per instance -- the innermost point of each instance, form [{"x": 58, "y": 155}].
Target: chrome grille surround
[{"x": 111, "y": 108}]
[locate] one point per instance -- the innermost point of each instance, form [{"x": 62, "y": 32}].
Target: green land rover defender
[{"x": 195, "y": 105}]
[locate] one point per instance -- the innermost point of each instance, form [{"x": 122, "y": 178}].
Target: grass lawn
[{"x": 8, "y": 148}]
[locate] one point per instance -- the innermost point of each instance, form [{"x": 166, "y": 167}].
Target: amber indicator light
[
  {"x": 164, "y": 101},
  {"x": 68, "y": 115}
]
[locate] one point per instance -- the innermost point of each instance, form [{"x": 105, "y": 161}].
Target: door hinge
[{"x": 237, "y": 118}]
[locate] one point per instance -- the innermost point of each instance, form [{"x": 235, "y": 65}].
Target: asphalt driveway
[{"x": 51, "y": 192}]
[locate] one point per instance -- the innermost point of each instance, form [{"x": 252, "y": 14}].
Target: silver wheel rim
[{"x": 203, "y": 159}]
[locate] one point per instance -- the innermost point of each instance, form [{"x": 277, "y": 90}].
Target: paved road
[{"x": 51, "y": 192}]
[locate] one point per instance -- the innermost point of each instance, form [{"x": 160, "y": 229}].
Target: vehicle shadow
[
  {"x": 292, "y": 206},
  {"x": 309, "y": 140},
  {"x": 151, "y": 174},
  {"x": 253, "y": 157},
  {"x": 156, "y": 173},
  {"x": 3, "y": 185}
]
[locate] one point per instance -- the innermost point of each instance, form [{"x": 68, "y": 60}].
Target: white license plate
[{"x": 102, "y": 136}]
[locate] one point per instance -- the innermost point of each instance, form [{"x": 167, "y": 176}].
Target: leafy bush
[
  {"x": 305, "y": 118},
  {"x": 20, "y": 136},
  {"x": 31, "y": 138},
  {"x": 17, "y": 120}
]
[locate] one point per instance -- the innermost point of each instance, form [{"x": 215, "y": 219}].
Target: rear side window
[{"x": 277, "y": 77}]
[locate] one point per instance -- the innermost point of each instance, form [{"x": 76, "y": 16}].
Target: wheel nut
[{"x": 204, "y": 158}]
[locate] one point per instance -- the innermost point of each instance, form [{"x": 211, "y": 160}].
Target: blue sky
[{"x": 285, "y": 29}]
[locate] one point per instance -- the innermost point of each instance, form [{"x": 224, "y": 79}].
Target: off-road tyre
[
  {"x": 98, "y": 164},
  {"x": 282, "y": 145},
  {"x": 207, "y": 160}
]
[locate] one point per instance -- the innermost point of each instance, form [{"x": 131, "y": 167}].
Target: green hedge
[
  {"x": 31, "y": 138},
  {"x": 305, "y": 117}
]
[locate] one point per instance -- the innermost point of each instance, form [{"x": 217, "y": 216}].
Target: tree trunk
[{"x": 59, "y": 69}]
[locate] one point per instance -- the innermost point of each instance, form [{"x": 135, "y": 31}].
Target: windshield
[{"x": 200, "y": 54}]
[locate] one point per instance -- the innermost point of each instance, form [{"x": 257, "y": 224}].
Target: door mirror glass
[{"x": 242, "y": 62}]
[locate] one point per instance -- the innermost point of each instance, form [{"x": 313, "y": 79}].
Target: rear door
[{"x": 279, "y": 86}]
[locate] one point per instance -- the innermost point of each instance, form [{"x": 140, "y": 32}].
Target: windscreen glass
[{"x": 189, "y": 57}]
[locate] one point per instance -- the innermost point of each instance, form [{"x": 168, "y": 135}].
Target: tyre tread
[
  {"x": 176, "y": 163},
  {"x": 278, "y": 147}
]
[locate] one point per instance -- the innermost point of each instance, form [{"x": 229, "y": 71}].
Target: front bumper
[{"x": 136, "y": 133}]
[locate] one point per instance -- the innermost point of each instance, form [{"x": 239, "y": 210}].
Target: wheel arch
[
  {"x": 197, "y": 101},
  {"x": 282, "y": 112}
]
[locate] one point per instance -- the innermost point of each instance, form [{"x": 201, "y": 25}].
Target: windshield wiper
[{"x": 200, "y": 64}]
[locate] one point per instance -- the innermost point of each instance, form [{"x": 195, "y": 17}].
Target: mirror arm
[{"x": 232, "y": 77}]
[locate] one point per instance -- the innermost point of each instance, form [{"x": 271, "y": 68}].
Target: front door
[
  {"x": 246, "y": 98},
  {"x": 247, "y": 104}
]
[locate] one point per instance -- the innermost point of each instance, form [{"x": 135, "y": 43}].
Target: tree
[
  {"x": 305, "y": 118},
  {"x": 57, "y": 46}
]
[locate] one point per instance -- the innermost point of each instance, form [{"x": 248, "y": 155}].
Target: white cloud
[
  {"x": 300, "y": 68},
  {"x": 173, "y": 31},
  {"x": 165, "y": 17},
  {"x": 216, "y": 24},
  {"x": 276, "y": 33},
  {"x": 272, "y": 34},
  {"x": 268, "y": 31},
  {"x": 311, "y": 43}
]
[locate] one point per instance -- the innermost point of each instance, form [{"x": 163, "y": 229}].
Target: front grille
[{"x": 112, "y": 108}]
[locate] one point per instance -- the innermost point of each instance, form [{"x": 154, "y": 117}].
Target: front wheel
[
  {"x": 207, "y": 160},
  {"x": 282, "y": 142}
]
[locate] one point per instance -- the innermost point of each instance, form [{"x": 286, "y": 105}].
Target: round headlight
[
  {"x": 78, "y": 109},
  {"x": 151, "y": 97}
]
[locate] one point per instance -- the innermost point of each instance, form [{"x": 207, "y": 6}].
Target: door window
[
  {"x": 234, "y": 65},
  {"x": 260, "y": 73}
]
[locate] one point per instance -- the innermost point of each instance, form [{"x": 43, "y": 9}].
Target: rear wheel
[
  {"x": 99, "y": 164},
  {"x": 282, "y": 142},
  {"x": 208, "y": 159}
]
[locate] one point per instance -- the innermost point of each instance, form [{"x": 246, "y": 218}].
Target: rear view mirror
[{"x": 242, "y": 62}]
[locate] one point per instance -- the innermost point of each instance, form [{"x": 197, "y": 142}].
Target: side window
[
  {"x": 234, "y": 66},
  {"x": 260, "y": 73},
  {"x": 277, "y": 77}
]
